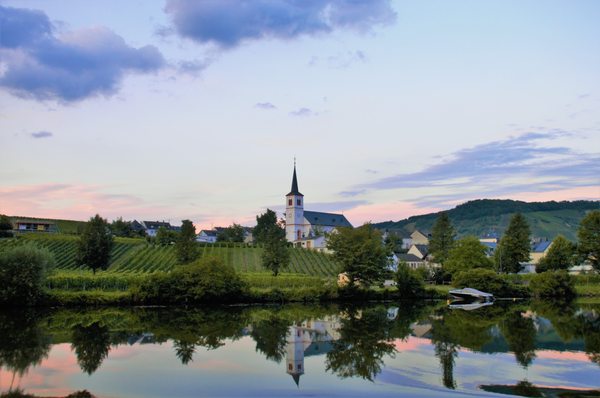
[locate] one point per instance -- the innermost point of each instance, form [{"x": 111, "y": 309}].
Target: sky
[{"x": 174, "y": 109}]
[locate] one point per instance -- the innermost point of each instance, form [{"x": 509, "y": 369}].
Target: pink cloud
[
  {"x": 385, "y": 211},
  {"x": 581, "y": 193},
  {"x": 411, "y": 344}
]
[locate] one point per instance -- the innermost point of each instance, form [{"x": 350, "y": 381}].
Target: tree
[
  {"x": 467, "y": 253},
  {"x": 276, "y": 253},
  {"x": 91, "y": 344},
  {"x": 5, "y": 227},
  {"x": 233, "y": 233},
  {"x": 22, "y": 273},
  {"x": 514, "y": 247},
  {"x": 442, "y": 238},
  {"x": 265, "y": 223},
  {"x": 122, "y": 228},
  {"x": 165, "y": 237},
  {"x": 361, "y": 253},
  {"x": 408, "y": 282},
  {"x": 560, "y": 255},
  {"x": 393, "y": 241},
  {"x": 589, "y": 238},
  {"x": 186, "y": 243},
  {"x": 95, "y": 244}
]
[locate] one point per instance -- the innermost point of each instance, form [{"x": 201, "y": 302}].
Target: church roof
[
  {"x": 328, "y": 219},
  {"x": 294, "y": 190}
]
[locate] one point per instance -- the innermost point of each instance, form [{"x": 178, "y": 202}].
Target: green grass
[{"x": 130, "y": 255}]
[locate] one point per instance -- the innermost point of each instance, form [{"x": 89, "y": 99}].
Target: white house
[
  {"x": 207, "y": 236},
  {"x": 307, "y": 228}
]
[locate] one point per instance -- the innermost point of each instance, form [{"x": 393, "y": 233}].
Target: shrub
[
  {"x": 22, "y": 273},
  {"x": 408, "y": 282},
  {"x": 553, "y": 284},
  {"x": 488, "y": 281},
  {"x": 207, "y": 280}
]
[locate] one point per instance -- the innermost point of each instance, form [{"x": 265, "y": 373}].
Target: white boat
[
  {"x": 470, "y": 294},
  {"x": 474, "y": 305}
]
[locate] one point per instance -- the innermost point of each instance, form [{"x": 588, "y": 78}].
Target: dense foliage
[
  {"x": 556, "y": 284},
  {"x": 442, "y": 238},
  {"x": 360, "y": 253},
  {"x": 22, "y": 273},
  {"x": 408, "y": 282},
  {"x": 514, "y": 246},
  {"x": 207, "y": 280},
  {"x": 467, "y": 253},
  {"x": 488, "y": 281},
  {"x": 185, "y": 245},
  {"x": 233, "y": 233},
  {"x": 265, "y": 224},
  {"x": 560, "y": 256},
  {"x": 589, "y": 238},
  {"x": 5, "y": 227},
  {"x": 95, "y": 244},
  {"x": 165, "y": 237}
]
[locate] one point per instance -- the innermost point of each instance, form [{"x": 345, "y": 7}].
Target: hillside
[
  {"x": 137, "y": 256},
  {"x": 479, "y": 217}
]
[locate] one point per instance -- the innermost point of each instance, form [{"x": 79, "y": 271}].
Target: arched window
[
  {"x": 299, "y": 202},
  {"x": 290, "y": 202}
]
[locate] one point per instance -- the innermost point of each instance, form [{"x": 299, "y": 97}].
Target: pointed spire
[
  {"x": 296, "y": 378},
  {"x": 294, "y": 190}
]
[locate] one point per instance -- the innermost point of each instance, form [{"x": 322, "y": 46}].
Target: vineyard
[{"x": 137, "y": 256}]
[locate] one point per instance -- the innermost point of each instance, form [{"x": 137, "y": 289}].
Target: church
[{"x": 306, "y": 228}]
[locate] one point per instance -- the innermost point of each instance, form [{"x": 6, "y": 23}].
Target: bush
[
  {"x": 488, "y": 281},
  {"x": 408, "y": 282},
  {"x": 553, "y": 284},
  {"x": 23, "y": 270},
  {"x": 207, "y": 280}
]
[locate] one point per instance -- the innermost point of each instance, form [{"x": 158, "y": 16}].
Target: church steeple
[{"x": 294, "y": 190}]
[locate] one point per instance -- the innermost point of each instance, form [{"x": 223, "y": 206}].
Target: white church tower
[
  {"x": 294, "y": 353},
  {"x": 294, "y": 212}
]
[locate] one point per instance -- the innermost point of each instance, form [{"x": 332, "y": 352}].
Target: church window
[
  {"x": 299, "y": 202},
  {"x": 298, "y": 332},
  {"x": 290, "y": 202},
  {"x": 299, "y": 366},
  {"x": 290, "y": 367}
]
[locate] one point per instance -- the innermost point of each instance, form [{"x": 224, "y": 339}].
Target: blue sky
[{"x": 195, "y": 109}]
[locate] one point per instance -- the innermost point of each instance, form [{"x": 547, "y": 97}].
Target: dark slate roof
[
  {"x": 423, "y": 249},
  {"x": 136, "y": 226},
  {"x": 328, "y": 219},
  {"x": 156, "y": 224},
  {"x": 408, "y": 257},
  {"x": 541, "y": 247},
  {"x": 294, "y": 190}
]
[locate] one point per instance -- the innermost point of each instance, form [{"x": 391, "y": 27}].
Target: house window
[
  {"x": 290, "y": 202},
  {"x": 299, "y": 202},
  {"x": 290, "y": 367}
]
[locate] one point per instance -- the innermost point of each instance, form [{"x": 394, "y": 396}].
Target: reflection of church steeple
[{"x": 295, "y": 353}]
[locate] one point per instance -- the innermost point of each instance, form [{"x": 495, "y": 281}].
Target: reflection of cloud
[
  {"x": 73, "y": 66},
  {"x": 227, "y": 23},
  {"x": 498, "y": 168}
]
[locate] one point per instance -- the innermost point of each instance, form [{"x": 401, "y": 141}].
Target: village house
[
  {"x": 33, "y": 225},
  {"x": 151, "y": 227}
]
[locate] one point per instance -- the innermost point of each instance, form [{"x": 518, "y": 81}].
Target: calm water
[{"x": 400, "y": 349}]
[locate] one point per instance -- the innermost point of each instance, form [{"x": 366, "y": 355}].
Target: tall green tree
[
  {"x": 467, "y": 253},
  {"x": 514, "y": 247},
  {"x": 361, "y": 253},
  {"x": 95, "y": 244},
  {"x": 393, "y": 241},
  {"x": 276, "y": 253},
  {"x": 233, "y": 233},
  {"x": 91, "y": 344},
  {"x": 589, "y": 238},
  {"x": 442, "y": 238},
  {"x": 166, "y": 237},
  {"x": 5, "y": 227},
  {"x": 185, "y": 245},
  {"x": 265, "y": 223},
  {"x": 122, "y": 228},
  {"x": 559, "y": 256}
]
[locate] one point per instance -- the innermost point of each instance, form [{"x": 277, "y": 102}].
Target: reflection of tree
[
  {"x": 445, "y": 349},
  {"x": 561, "y": 314},
  {"x": 91, "y": 344},
  {"x": 364, "y": 341},
  {"x": 184, "y": 350},
  {"x": 525, "y": 389},
  {"x": 270, "y": 336},
  {"x": 22, "y": 344},
  {"x": 519, "y": 332}
]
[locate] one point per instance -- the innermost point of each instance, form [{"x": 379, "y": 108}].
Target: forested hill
[{"x": 479, "y": 217}]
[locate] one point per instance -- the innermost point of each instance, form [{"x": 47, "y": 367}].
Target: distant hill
[
  {"x": 480, "y": 217},
  {"x": 63, "y": 226}
]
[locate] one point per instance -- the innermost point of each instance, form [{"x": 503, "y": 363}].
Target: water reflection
[{"x": 352, "y": 342}]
